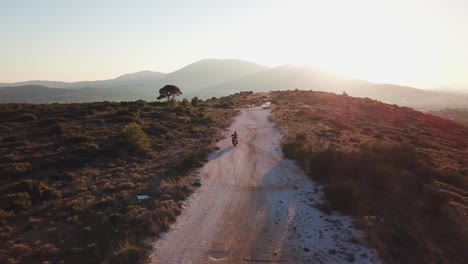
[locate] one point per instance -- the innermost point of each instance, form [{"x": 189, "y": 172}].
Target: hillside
[
  {"x": 127, "y": 79},
  {"x": 43, "y": 94},
  {"x": 459, "y": 115},
  {"x": 286, "y": 77},
  {"x": 309, "y": 78},
  {"x": 401, "y": 173},
  {"x": 71, "y": 173},
  {"x": 215, "y": 77}
]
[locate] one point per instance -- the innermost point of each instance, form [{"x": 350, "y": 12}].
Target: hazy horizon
[{"x": 416, "y": 43}]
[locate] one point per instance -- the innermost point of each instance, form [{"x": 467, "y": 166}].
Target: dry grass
[
  {"x": 70, "y": 174},
  {"x": 402, "y": 173}
]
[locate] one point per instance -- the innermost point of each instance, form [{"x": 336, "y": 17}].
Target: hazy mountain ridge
[
  {"x": 37, "y": 94},
  {"x": 123, "y": 79},
  {"x": 210, "y": 72},
  {"x": 216, "y": 77}
]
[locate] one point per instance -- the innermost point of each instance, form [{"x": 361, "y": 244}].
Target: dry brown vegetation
[
  {"x": 459, "y": 115},
  {"x": 400, "y": 172},
  {"x": 70, "y": 173}
]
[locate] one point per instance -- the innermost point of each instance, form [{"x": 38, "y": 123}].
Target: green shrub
[
  {"x": 343, "y": 195},
  {"x": 135, "y": 138}
]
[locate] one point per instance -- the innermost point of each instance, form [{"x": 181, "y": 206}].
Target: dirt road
[{"x": 254, "y": 206}]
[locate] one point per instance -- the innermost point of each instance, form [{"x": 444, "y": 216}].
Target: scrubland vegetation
[
  {"x": 459, "y": 115},
  {"x": 401, "y": 173},
  {"x": 70, "y": 173}
]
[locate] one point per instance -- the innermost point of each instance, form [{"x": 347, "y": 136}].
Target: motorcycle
[{"x": 234, "y": 142}]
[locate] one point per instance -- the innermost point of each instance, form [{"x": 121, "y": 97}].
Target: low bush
[
  {"x": 16, "y": 202},
  {"x": 172, "y": 103},
  {"x": 82, "y": 149},
  {"x": 290, "y": 149},
  {"x": 195, "y": 101},
  {"x": 185, "y": 103},
  {"x": 322, "y": 164},
  {"x": 193, "y": 159},
  {"x": 210, "y": 118},
  {"x": 179, "y": 110},
  {"x": 344, "y": 196},
  {"x": 134, "y": 138},
  {"x": 28, "y": 117},
  {"x": 5, "y": 215},
  {"x": 16, "y": 169},
  {"x": 36, "y": 190},
  {"x": 184, "y": 119}
]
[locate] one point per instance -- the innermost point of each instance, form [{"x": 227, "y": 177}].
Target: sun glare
[{"x": 388, "y": 44}]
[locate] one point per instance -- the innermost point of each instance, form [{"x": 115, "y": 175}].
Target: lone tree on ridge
[{"x": 169, "y": 91}]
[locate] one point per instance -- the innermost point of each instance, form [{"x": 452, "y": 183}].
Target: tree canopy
[{"x": 169, "y": 91}]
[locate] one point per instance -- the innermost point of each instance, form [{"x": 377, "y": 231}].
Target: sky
[{"x": 423, "y": 43}]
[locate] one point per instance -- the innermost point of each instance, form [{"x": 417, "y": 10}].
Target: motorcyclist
[{"x": 234, "y": 138}]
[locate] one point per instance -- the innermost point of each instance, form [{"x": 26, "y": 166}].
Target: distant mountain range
[{"x": 215, "y": 77}]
